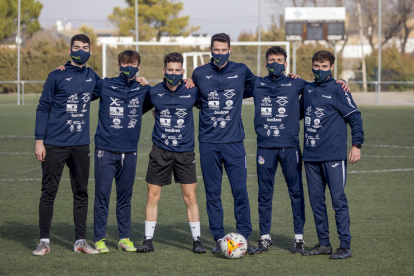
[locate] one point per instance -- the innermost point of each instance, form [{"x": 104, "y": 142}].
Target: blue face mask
[
  {"x": 128, "y": 71},
  {"x": 220, "y": 59},
  {"x": 321, "y": 75},
  {"x": 173, "y": 79},
  {"x": 80, "y": 56},
  {"x": 275, "y": 69}
]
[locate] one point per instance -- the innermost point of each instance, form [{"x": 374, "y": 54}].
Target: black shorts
[{"x": 162, "y": 164}]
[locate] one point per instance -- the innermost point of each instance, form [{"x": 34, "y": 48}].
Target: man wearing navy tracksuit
[
  {"x": 62, "y": 137},
  {"x": 327, "y": 111},
  {"x": 221, "y": 134},
  {"x": 276, "y": 121},
  {"x": 123, "y": 101}
]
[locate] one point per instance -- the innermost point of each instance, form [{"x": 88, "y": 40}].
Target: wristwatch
[{"x": 358, "y": 146}]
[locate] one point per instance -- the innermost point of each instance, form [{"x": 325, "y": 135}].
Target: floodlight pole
[
  {"x": 336, "y": 63},
  {"x": 259, "y": 38},
  {"x": 18, "y": 54},
  {"x": 379, "y": 53},
  {"x": 136, "y": 25}
]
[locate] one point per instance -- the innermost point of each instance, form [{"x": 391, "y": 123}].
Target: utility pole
[
  {"x": 259, "y": 39},
  {"x": 361, "y": 37},
  {"x": 18, "y": 41},
  {"x": 136, "y": 25},
  {"x": 379, "y": 53}
]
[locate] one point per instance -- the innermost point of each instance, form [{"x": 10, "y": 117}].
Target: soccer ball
[{"x": 234, "y": 246}]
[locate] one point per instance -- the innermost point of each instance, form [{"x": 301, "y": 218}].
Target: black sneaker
[
  {"x": 341, "y": 253},
  {"x": 298, "y": 246},
  {"x": 250, "y": 249},
  {"x": 198, "y": 246},
  {"x": 263, "y": 246},
  {"x": 146, "y": 246},
  {"x": 217, "y": 249},
  {"x": 319, "y": 250}
]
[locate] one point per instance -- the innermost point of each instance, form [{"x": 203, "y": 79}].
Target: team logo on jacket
[
  {"x": 165, "y": 113},
  {"x": 266, "y": 101},
  {"x": 86, "y": 97},
  {"x": 72, "y": 127},
  {"x": 116, "y": 111},
  {"x": 313, "y": 143},
  {"x": 349, "y": 101},
  {"x": 307, "y": 121},
  {"x": 79, "y": 128},
  {"x": 84, "y": 108},
  {"x": 180, "y": 112},
  {"x": 261, "y": 160},
  {"x": 134, "y": 102},
  {"x": 73, "y": 99},
  {"x": 100, "y": 153},
  {"x": 229, "y": 93},
  {"x": 68, "y": 79},
  {"x": 308, "y": 110},
  {"x": 180, "y": 123},
  {"x": 133, "y": 111},
  {"x": 71, "y": 108},
  {"x": 282, "y": 101},
  {"x": 213, "y": 104},
  {"x": 115, "y": 101},
  {"x": 117, "y": 123},
  {"x": 89, "y": 80},
  {"x": 132, "y": 123},
  {"x": 266, "y": 111},
  {"x": 229, "y": 104},
  {"x": 319, "y": 112},
  {"x": 276, "y": 133},
  {"x": 316, "y": 123},
  {"x": 213, "y": 95},
  {"x": 282, "y": 112},
  {"x": 174, "y": 142},
  {"x": 165, "y": 122},
  {"x": 222, "y": 124}
]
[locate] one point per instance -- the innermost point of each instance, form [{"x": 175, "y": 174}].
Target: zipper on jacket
[
  {"x": 80, "y": 83},
  {"x": 172, "y": 96}
]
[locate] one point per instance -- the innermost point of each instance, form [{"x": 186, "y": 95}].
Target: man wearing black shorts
[{"x": 173, "y": 149}]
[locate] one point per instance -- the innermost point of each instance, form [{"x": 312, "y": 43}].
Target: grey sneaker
[
  {"x": 83, "y": 247},
  {"x": 298, "y": 246},
  {"x": 42, "y": 249}
]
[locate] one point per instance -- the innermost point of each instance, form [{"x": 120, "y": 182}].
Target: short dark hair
[
  {"x": 129, "y": 56},
  {"x": 173, "y": 57},
  {"x": 80, "y": 37},
  {"x": 322, "y": 56},
  {"x": 222, "y": 37},
  {"x": 275, "y": 50}
]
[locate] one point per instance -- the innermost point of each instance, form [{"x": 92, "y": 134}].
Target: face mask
[
  {"x": 220, "y": 59},
  {"x": 275, "y": 69},
  {"x": 128, "y": 71},
  {"x": 321, "y": 75},
  {"x": 80, "y": 56},
  {"x": 173, "y": 79}
]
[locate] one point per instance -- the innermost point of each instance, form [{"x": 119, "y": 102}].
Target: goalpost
[{"x": 153, "y": 55}]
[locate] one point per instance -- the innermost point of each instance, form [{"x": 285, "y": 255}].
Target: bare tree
[{"x": 406, "y": 12}]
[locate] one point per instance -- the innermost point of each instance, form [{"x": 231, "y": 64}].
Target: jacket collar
[
  {"x": 73, "y": 68},
  {"x": 179, "y": 86},
  {"x": 125, "y": 81},
  {"x": 273, "y": 80},
  {"x": 325, "y": 82},
  {"x": 216, "y": 68}
]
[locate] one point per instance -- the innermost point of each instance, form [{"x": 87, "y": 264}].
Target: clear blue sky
[{"x": 230, "y": 16}]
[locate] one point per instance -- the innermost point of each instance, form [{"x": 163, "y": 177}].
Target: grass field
[{"x": 379, "y": 189}]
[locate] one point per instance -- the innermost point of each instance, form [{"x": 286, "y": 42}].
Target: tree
[
  {"x": 29, "y": 14},
  {"x": 156, "y": 18}
]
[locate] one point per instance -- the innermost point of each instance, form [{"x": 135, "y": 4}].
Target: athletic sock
[
  {"x": 195, "y": 229},
  {"x": 267, "y": 237},
  {"x": 79, "y": 241},
  {"x": 298, "y": 236},
  {"x": 45, "y": 240},
  {"x": 149, "y": 229}
]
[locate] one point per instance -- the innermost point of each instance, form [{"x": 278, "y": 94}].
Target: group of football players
[{"x": 217, "y": 89}]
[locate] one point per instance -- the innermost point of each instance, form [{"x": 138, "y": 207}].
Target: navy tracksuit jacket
[
  {"x": 276, "y": 121},
  {"x": 62, "y": 117},
  {"x": 328, "y": 110},
  {"x": 174, "y": 121},
  {"x": 122, "y": 104},
  {"x": 221, "y": 136}
]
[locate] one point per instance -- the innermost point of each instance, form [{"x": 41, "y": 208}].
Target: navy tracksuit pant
[
  {"x": 291, "y": 162},
  {"x": 122, "y": 167},
  {"x": 333, "y": 173},
  {"x": 233, "y": 156}
]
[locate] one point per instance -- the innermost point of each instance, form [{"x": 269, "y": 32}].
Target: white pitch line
[
  {"x": 387, "y": 146},
  {"x": 224, "y": 176},
  {"x": 16, "y": 136}
]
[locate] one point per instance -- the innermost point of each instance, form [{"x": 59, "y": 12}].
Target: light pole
[
  {"x": 259, "y": 38},
  {"x": 136, "y": 25},
  {"x": 18, "y": 40}
]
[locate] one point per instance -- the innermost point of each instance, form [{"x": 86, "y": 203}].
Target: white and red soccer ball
[{"x": 234, "y": 246}]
